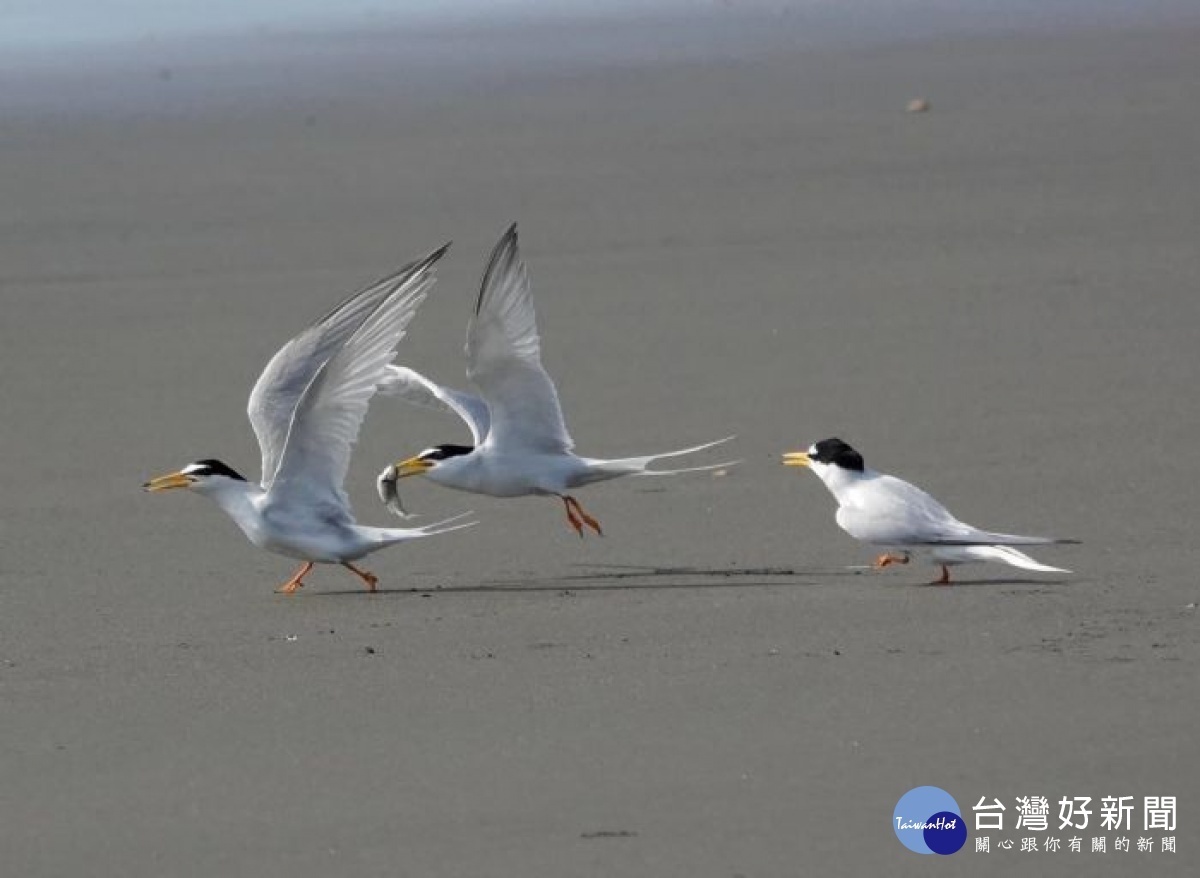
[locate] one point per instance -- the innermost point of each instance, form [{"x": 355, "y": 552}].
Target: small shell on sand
[{"x": 917, "y": 105}]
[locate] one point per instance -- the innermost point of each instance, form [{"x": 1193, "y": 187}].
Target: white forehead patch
[{"x": 194, "y": 468}]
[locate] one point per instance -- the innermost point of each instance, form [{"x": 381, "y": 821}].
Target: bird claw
[
  {"x": 592, "y": 523},
  {"x": 889, "y": 558},
  {"x": 366, "y": 576},
  {"x": 577, "y": 518},
  {"x": 297, "y": 579}
]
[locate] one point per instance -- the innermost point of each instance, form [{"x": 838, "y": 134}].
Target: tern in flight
[{"x": 520, "y": 441}]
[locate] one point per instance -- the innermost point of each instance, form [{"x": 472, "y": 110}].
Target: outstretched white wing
[
  {"x": 281, "y": 384},
  {"x": 504, "y": 359},
  {"x": 413, "y": 387},
  {"x": 331, "y": 409}
]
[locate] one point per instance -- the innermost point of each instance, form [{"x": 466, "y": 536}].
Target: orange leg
[
  {"x": 577, "y": 517},
  {"x": 945, "y": 577},
  {"x": 573, "y": 519},
  {"x": 296, "y": 581},
  {"x": 370, "y": 579},
  {"x": 890, "y": 558}
]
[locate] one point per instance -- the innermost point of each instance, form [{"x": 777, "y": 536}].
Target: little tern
[
  {"x": 886, "y": 511},
  {"x": 521, "y": 444},
  {"x": 306, "y": 410}
]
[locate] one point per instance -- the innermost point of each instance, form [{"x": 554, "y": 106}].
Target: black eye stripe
[
  {"x": 442, "y": 452},
  {"x": 211, "y": 467}
]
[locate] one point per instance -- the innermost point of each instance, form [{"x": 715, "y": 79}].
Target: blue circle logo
[{"x": 927, "y": 820}]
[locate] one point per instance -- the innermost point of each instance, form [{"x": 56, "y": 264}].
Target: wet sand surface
[{"x": 996, "y": 299}]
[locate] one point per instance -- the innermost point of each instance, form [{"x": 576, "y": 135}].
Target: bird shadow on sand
[
  {"x": 990, "y": 583},
  {"x": 632, "y": 577},
  {"x": 619, "y": 577}
]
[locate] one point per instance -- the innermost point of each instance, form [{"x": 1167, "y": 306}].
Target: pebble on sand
[{"x": 917, "y": 105}]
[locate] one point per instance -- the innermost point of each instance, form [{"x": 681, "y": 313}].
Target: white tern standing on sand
[
  {"x": 886, "y": 511},
  {"x": 306, "y": 409}
]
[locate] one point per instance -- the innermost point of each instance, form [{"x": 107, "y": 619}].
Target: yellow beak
[
  {"x": 414, "y": 466},
  {"x": 796, "y": 458},
  {"x": 167, "y": 482}
]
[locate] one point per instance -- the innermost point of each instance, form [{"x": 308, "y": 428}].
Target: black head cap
[
  {"x": 212, "y": 467},
  {"x": 442, "y": 452},
  {"x": 835, "y": 451}
]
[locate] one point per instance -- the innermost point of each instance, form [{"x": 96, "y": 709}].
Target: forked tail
[
  {"x": 390, "y": 535},
  {"x": 640, "y": 466},
  {"x": 1003, "y": 554}
]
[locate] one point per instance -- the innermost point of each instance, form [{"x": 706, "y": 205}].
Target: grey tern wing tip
[
  {"x": 1023, "y": 541},
  {"x": 435, "y": 255},
  {"x": 504, "y": 257},
  {"x": 390, "y": 279}
]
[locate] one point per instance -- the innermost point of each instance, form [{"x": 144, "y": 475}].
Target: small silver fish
[{"x": 389, "y": 492}]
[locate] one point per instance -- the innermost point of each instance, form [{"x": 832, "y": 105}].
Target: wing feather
[
  {"x": 901, "y": 514},
  {"x": 504, "y": 358},
  {"x": 330, "y": 411},
  {"x": 281, "y": 384},
  {"x": 413, "y": 387}
]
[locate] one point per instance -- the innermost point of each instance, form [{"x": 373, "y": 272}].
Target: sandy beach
[{"x": 996, "y": 300}]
